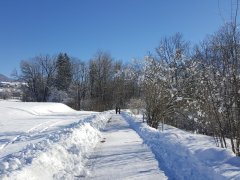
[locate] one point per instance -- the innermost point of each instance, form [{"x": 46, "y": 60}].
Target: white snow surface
[
  {"x": 53, "y": 141},
  {"x": 184, "y": 155}
]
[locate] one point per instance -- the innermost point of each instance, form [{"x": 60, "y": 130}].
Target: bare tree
[
  {"x": 78, "y": 88},
  {"x": 100, "y": 78},
  {"x": 39, "y": 75}
]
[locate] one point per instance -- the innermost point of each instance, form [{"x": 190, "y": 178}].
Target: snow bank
[
  {"x": 183, "y": 155},
  {"x": 60, "y": 156}
]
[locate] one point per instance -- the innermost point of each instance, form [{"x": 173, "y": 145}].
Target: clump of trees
[
  {"x": 219, "y": 59},
  {"x": 39, "y": 74},
  {"x": 166, "y": 81},
  {"x": 199, "y": 92},
  {"x": 99, "y": 84}
]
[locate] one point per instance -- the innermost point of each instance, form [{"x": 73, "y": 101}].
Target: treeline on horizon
[
  {"x": 99, "y": 84},
  {"x": 195, "y": 88}
]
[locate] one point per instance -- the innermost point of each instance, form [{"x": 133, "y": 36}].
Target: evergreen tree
[{"x": 64, "y": 72}]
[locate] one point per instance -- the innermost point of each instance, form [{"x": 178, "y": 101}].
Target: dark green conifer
[{"x": 64, "y": 72}]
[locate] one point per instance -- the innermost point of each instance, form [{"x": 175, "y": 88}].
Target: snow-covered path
[{"x": 122, "y": 155}]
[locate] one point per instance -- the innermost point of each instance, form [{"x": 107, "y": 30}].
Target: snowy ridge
[
  {"x": 61, "y": 155},
  {"x": 182, "y": 159},
  {"x": 36, "y": 108}
]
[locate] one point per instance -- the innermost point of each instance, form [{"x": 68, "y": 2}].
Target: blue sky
[{"x": 125, "y": 28}]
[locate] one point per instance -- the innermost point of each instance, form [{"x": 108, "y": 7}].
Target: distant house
[{"x": 11, "y": 90}]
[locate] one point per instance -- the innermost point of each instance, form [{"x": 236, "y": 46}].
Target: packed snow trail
[{"x": 121, "y": 154}]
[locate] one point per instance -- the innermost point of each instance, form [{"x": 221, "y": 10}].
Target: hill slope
[{"x": 5, "y": 78}]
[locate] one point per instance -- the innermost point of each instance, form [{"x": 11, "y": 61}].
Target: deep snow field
[
  {"x": 22, "y": 123},
  {"x": 53, "y": 141}
]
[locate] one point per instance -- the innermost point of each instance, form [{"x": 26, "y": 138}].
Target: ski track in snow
[
  {"x": 34, "y": 131},
  {"x": 31, "y": 132}
]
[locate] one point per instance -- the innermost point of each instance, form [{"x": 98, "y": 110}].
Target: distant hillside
[{"x": 5, "y": 78}]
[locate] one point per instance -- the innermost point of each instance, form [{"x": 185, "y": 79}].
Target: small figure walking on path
[{"x": 118, "y": 109}]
